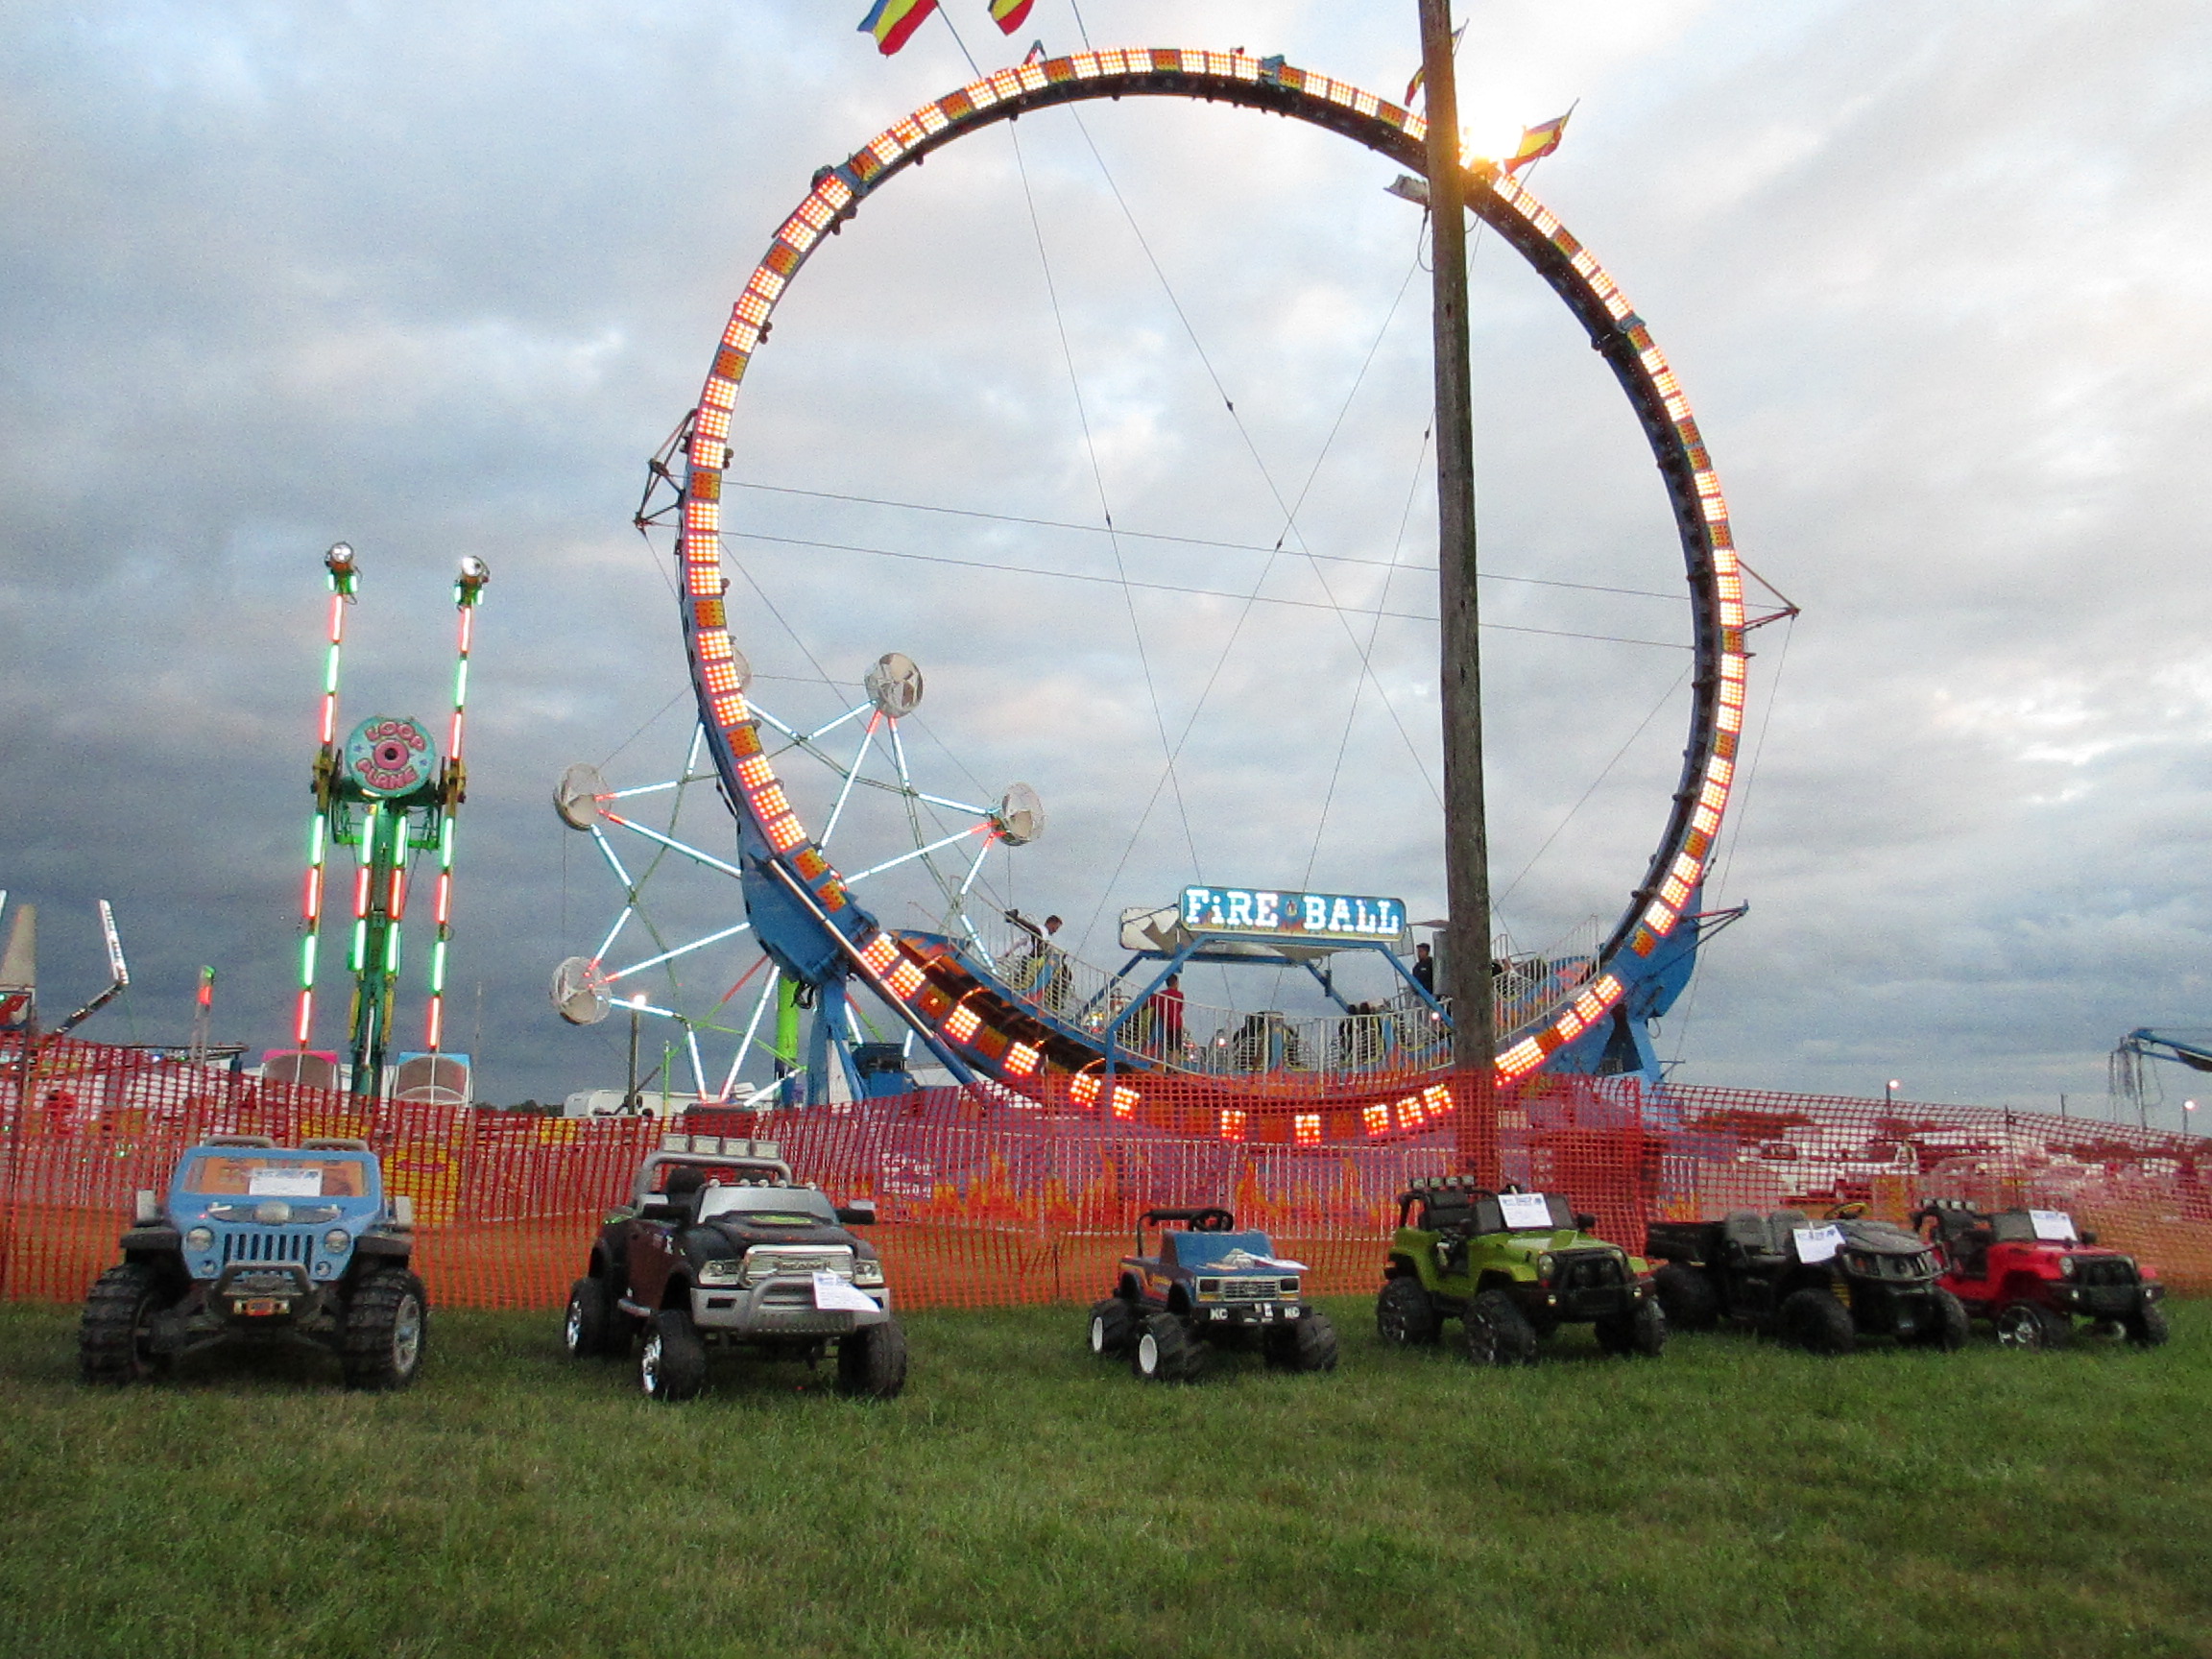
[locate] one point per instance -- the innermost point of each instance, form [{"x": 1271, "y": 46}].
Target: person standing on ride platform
[
  {"x": 1424, "y": 969},
  {"x": 1168, "y": 1017}
]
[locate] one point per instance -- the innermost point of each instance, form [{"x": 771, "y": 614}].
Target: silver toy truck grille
[
  {"x": 267, "y": 1246},
  {"x": 1251, "y": 1289}
]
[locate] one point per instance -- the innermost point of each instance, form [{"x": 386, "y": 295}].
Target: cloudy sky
[{"x": 1934, "y": 281}]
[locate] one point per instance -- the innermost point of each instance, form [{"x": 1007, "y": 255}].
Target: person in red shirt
[{"x": 1168, "y": 1017}]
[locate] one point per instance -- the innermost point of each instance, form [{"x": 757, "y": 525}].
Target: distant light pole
[{"x": 1890, "y": 1092}]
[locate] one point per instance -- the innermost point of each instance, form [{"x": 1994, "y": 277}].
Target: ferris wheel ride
[
  {"x": 1040, "y": 1032},
  {"x": 948, "y": 842}
]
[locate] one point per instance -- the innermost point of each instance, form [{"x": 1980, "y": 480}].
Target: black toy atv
[
  {"x": 1208, "y": 1285},
  {"x": 1822, "y": 1285}
]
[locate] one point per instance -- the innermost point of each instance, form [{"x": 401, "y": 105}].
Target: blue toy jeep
[
  {"x": 262, "y": 1242},
  {"x": 1208, "y": 1285}
]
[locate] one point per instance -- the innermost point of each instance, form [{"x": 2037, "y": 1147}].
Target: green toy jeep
[{"x": 1512, "y": 1267}]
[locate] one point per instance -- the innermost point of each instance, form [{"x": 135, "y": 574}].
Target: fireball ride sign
[{"x": 1258, "y": 913}]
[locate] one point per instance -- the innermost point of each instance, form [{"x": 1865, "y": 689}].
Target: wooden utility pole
[{"x": 1466, "y": 835}]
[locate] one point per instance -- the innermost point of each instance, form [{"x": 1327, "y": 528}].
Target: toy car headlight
[
  {"x": 2066, "y": 1266},
  {"x": 200, "y": 1239},
  {"x": 721, "y": 1272},
  {"x": 1289, "y": 1288},
  {"x": 866, "y": 1272},
  {"x": 1209, "y": 1286},
  {"x": 1543, "y": 1265}
]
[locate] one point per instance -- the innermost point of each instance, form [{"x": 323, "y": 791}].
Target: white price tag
[
  {"x": 2053, "y": 1226},
  {"x": 285, "y": 1182},
  {"x": 833, "y": 1293},
  {"x": 1525, "y": 1209},
  {"x": 1817, "y": 1244}
]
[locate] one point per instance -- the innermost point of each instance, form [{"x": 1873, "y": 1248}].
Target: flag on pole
[
  {"x": 1010, "y": 14},
  {"x": 893, "y": 21},
  {"x": 1036, "y": 53},
  {"x": 1537, "y": 142},
  {"x": 1420, "y": 75}
]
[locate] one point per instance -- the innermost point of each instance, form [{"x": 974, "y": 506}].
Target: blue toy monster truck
[
  {"x": 1208, "y": 1285},
  {"x": 262, "y": 1242}
]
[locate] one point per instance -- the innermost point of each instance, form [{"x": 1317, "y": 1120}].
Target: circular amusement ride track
[{"x": 981, "y": 1024}]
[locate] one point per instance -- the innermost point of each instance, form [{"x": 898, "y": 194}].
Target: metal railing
[{"x": 1400, "y": 1033}]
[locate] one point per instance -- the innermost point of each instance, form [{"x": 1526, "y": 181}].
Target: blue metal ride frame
[{"x": 811, "y": 945}]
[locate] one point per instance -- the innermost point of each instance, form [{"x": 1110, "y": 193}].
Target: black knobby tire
[
  {"x": 1814, "y": 1321},
  {"x": 1639, "y": 1333},
  {"x": 672, "y": 1364},
  {"x": 1953, "y": 1324},
  {"x": 2146, "y": 1327},
  {"x": 1307, "y": 1344},
  {"x": 1405, "y": 1317},
  {"x": 384, "y": 1330},
  {"x": 2028, "y": 1325},
  {"x": 872, "y": 1361},
  {"x": 1113, "y": 1326},
  {"x": 1166, "y": 1352},
  {"x": 587, "y": 1329},
  {"x": 1688, "y": 1296},
  {"x": 1477, "y": 1341},
  {"x": 1515, "y": 1337},
  {"x": 111, "y": 1338}
]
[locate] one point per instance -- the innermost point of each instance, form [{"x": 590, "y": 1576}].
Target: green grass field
[{"x": 1730, "y": 1498}]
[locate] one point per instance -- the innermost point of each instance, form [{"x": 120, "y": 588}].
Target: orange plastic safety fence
[{"x": 987, "y": 1199}]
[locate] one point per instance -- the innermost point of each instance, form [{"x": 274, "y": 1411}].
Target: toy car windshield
[
  {"x": 271, "y": 1175},
  {"x": 788, "y": 1206},
  {"x": 1225, "y": 1252},
  {"x": 2033, "y": 1227},
  {"x": 1533, "y": 1211}
]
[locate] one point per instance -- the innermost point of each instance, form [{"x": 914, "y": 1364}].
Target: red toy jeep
[{"x": 2033, "y": 1273}]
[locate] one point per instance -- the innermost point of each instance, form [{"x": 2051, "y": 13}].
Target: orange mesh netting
[{"x": 987, "y": 1198}]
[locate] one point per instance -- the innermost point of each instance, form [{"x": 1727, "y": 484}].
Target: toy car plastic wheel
[
  {"x": 2146, "y": 1327},
  {"x": 111, "y": 1345},
  {"x": 586, "y": 1329},
  {"x": 1166, "y": 1352},
  {"x": 386, "y": 1324},
  {"x": 672, "y": 1365},
  {"x": 1308, "y": 1345},
  {"x": 2025, "y": 1325},
  {"x": 1639, "y": 1333},
  {"x": 1512, "y": 1338},
  {"x": 1688, "y": 1297},
  {"x": 1952, "y": 1325},
  {"x": 1814, "y": 1321},
  {"x": 1404, "y": 1315},
  {"x": 872, "y": 1361},
  {"x": 1113, "y": 1326}
]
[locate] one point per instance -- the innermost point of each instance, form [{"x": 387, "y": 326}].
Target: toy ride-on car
[
  {"x": 1208, "y": 1285},
  {"x": 719, "y": 1245},
  {"x": 1820, "y": 1286},
  {"x": 262, "y": 1242},
  {"x": 1512, "y": 1267},
  {"x": 2031, "y": 1273}
]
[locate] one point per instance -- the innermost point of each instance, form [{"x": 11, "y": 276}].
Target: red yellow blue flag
[
  {"x": 893, "y": 21},
  {"x": 1537, "y": 142},
  {"x": 1010, "y": 14}
]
